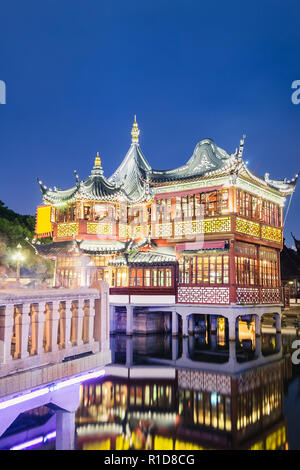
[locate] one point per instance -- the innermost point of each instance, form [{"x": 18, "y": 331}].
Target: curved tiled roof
[
  {"x": 133, "y": 179},
  {"x": 95, "y": 187},
  {"x": 130, "y": 173},
  {"x": 206, "y": 158}
]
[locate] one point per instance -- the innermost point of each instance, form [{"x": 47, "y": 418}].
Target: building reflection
[{"x": 207, "y": 405}]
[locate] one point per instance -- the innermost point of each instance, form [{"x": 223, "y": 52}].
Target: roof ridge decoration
[
  {"x": 207, "y": 158},
  {"x": 135, "y": 132},
  {"x": 135, "y": 180},
  {"x": 284, "y": 185}
]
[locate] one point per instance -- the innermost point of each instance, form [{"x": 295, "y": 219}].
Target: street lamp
[{"x": 18, "y": 257}]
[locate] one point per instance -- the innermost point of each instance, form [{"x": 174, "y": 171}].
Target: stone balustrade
[{"x": 42, "y": 327}]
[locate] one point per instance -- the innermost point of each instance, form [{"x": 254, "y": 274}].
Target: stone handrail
[{"x": 40, "y": 327}]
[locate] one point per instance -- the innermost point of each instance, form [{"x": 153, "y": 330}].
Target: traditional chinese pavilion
[{"x": 205, "y": 234}]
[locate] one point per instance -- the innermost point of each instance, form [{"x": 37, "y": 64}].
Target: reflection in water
[{"x": 202, "y": 392}]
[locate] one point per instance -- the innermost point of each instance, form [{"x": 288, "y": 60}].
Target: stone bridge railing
[{"x": 42, "y": 327}]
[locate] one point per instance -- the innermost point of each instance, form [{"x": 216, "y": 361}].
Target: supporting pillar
[
  {"x": 278, "y": 342},
  {"x": 169, "y": 322},
  {"x": 65, "y": 430},
  {"x": 184, "y": 325},
  {"x": 213, "y": 324},
  {"x": 231, "y": 328},
  {"x": 112, "y": 318},
  {"x": 232, "y": 352},
  {"x": 129, "y": 319},
  {"x": 258, "y": 352},
  {"x": 174, "y": 323},
  {"x": 278, "y": 322},
  {"x": 129, "y": 352},
  {"x": 185, "y": 348},
  {"x": 257, "y": 325},
  {"x": 213, "y": 341},
  {"x": 174, "y": 349},
  {"x": 191, "y": 323}
]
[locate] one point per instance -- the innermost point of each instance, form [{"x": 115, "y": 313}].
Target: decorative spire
[
  {"x": 241, "y": 147},
  {"x": 135, "y": 132},
  {"x": 97, "y": 161}
]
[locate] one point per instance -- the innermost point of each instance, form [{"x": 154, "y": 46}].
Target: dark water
[
  {"x": 200, "y": 392},
  {"x": 195, "y": 393}
]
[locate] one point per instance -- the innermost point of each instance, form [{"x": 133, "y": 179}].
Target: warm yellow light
[{"x": 43, "y": 220}]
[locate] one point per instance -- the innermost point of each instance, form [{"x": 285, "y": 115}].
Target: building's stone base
[{"x": 143, "y": 323}]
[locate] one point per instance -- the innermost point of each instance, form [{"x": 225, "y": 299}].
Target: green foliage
[{"x": 14, "y": 229}]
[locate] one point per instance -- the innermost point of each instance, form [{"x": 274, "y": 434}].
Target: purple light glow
[{"x": 50, "y": 388}]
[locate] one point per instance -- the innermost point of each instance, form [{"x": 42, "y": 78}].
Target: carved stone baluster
[
  {"x": 62, "y": 326},
  {"x": 68, "y": 319},
  {"x": 54, "y": 325},
  {"x": 74, "y": 323},
  {"x": 25, "y": 323},
  {"x": 40, "y": 327},
  {"x": 17, "y": 331},
  {"x": 91, "y": 322},
  {"x": 47, "y": 327},
  {"x": 80, "y": 314},
  {"x": 34, "y": 313}
]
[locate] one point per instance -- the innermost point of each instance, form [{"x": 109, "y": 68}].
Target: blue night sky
[{"x": 77, "y": 71}]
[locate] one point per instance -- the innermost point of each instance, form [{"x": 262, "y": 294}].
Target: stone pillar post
[
  {"x": 213, "y": 324},
  {"x": 65, "y": 430},
  {"x": 258, "y": 352},
  {"x": 54, "y": 325},
  {"x": 112, "y": 318},
  {"x": 68, "y": 319},
  {"x": 174, "y": 323},
  {"x": 80, "y": 314},
  {"x": 278, "y": 342},
  {"x": 185, "y": 348},
  {"x": 18, "y": 331},
  {"x": 34, "y": 328},
  {"x": 257, "y": 325},
  {"x": 191, "y": 324},
  {"x": 91, "y": 322},
  {"x": 6, "y": 326},
  {"x": 129, "y": 319},
  {"x": 278, "y": 322},
  {"x": 25, "y": 323},
  {"x": 174, "y": 349},
  {"x": 40, "y": 327},
  {"x": 184, "y": 325},
  {"x": 169, "y": 322},
  {"x": 129, "y": 352},
  {"x": 231, "y": 328},
  {"x": 48, "y": 329},
  {"x": 232, "y": 352},
  {"x": 103, "y": 312},
  {"x": 213, "y": 341}
]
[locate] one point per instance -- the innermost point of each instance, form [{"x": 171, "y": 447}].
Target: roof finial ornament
[
  {"x": 135, "y": 132},
  {"x": 97, "y": 160},
  {"x": 241, "y": 147}
]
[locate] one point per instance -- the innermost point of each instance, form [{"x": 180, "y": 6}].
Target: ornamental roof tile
[{"x": 135, "y": 180}]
